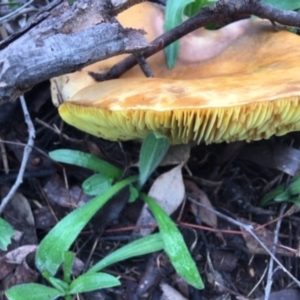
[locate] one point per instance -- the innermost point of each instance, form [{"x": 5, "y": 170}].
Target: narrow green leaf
[
  {"x": 153, "y": 151},
  {"x": 68, "y": 262},
  {"x": 175, "y": 246},
  {"x": 283, "y": 196},
  {"x": 59, "y": 285},
  {"x": 282, "y": 192},
  {"x": 86, "y": 160},
  {"x": 142, "y": 246},
  {"x": 6, "y": 233},
  {"x": 272, "y": 195},
  {"x": 134, "y": 193},
  {"x": 173, "y": 17},
  {"x": 91, "y": 282},
  {"x": 50, "y": 253},
  {"x": 294, "y": 187},
  {"x": 32, "y": 291},
  {"x": 97, "y": 184}
]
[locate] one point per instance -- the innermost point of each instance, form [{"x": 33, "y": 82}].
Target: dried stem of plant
[{"x": 27, "y": 151}]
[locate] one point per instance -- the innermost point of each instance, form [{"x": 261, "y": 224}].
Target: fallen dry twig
[
  {"x": 62, "y": 40},
  {"x": 27, "y": 151}
]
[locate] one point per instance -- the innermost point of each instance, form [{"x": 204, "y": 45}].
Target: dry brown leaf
[
  {"x": 279, "y": 157},
  {"x": 18, "y": 255},
  {"x": 12, "y": 259},
  {"x": 176, "y": 155},
  {"x": 57, "y": 193},
  {"x": 168, "y": 191},
  {"x": 169, "y": 293},
  {"x": 18, "y": 213},
  {"x": 207, "y": 217}
]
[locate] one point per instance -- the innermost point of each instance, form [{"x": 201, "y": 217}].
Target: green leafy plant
[
  {"x": 284, "y": 193},
  {"x": 54, "y": 250}
]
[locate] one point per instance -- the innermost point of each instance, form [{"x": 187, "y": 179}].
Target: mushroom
[
  {"x": 196, "y": 47},
  {"x": 227, "y": 109},
  {"x": 239, "y": 83}
]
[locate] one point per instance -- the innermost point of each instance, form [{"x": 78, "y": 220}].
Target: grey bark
[{"x": 63, "y": 39}]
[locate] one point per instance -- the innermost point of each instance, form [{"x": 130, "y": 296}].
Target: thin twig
[
  {"x": 249, "y": 229},
  {"x": 271, "y": 263},
  {"x": 258, "y": 283},
  {"x": 4, "y": 156},
  {"x": 26, "y": 153},
  {"x": 58, "y": 132},
  {"x": 143, "y": 65}
]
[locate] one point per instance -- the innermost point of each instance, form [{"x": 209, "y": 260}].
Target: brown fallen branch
[
  {"x": 221, "y": 10},
  {"x": 63, "y": 39}
]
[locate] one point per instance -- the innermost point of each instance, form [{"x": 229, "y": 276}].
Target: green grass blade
[
  {"x": 142, "y": 246},
  {"x": 175, "y": 246},
  {"x": 86, "y": 160},
  {"x": 173, "y": 17},
  {"x": 50, "y": 253},
  {"x": 153, "y": 151},
  {"x": 90, "y": 282}
]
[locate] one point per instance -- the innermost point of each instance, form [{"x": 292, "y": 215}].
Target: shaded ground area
[{"x": 232, "y": 178}]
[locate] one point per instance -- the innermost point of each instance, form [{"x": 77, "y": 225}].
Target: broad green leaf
[
  {"x": 91, "y": 282},
  {"x": 86, "y": 160},
  {"x": 50, "y": 253},
  {"x": 153, "y": 150},
  {"x": 6, "y": 233},
  {"x": 284, "y": 4},
  {"x": 173, "y": 17},
  {"x": 32, "y": 291},
  {"x": 97, "y": 184},
  {"x": 175, "y": 246},
  {"x": 142, "y": 246}
]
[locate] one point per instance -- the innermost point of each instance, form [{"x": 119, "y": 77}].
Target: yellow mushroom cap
[
  {"x": 225, "y": 110},
  {"x": 237, "y": 83}
]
